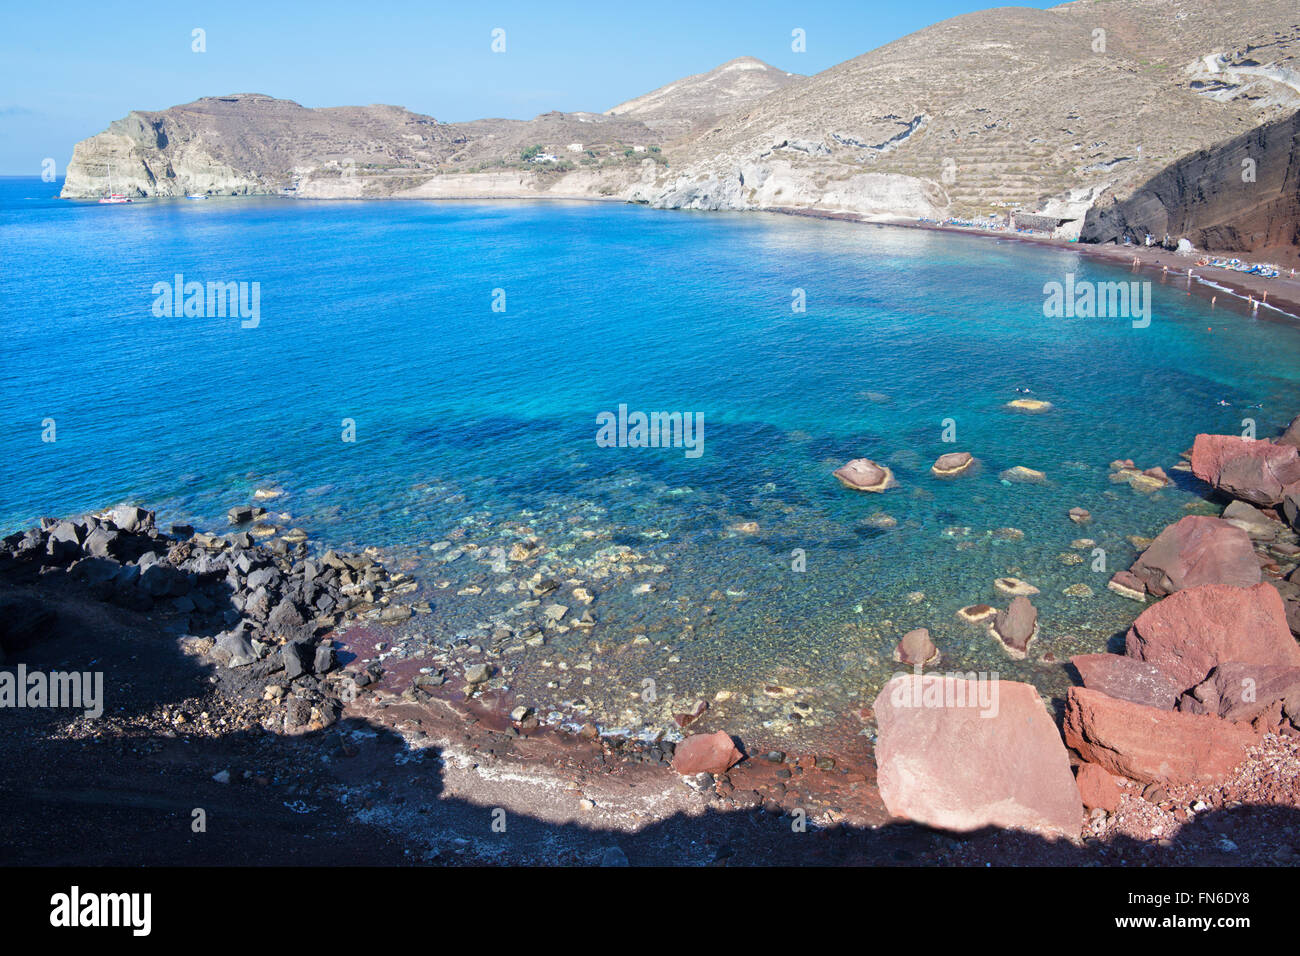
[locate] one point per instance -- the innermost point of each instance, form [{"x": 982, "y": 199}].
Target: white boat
[
  {"x": 113, "y": 198},
  {"x": 195, "y": 196}
]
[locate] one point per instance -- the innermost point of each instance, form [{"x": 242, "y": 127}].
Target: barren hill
[
  {"x": 699, "y": 100},
  {"x": 1005, "y": 107},
  {"x": 1059, "y": 111}
]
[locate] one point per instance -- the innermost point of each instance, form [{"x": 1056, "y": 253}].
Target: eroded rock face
[
  {"x": 966, "y": 767},
  {"x": 1191, "y": 632},
  {"x": 1197, "y": 550},
  {"x": 1241, "y": 692},
  {"x": 863, "y": 474},
  {"x": 705, "y": 753},
  {"x": 1260, "y": 472},
  {"x": 1152, "y": 745},
  {"x": 1217, "y": 213},
  {"x": 1127, "y": 678}
]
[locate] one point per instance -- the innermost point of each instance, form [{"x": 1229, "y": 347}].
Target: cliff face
[
  {"x": 1240, "y": 196},
  {"x": 1061, "y": 110}
]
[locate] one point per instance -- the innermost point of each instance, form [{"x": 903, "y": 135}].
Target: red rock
[
  {"x": 1128, "y": 679},
  {"x": 705, "y": 753},
  {"x": 1151, "y": 745},
  {"x": 695, "y": 712},
  {"x": 1292, "y": 434},
  {"x": 1197, "y": 550},
  {"x": 1255, "y": 471},
  {"x": 1126, "y": 584},
  {"x": 1190, "y": 633},
  {"x": 916, "y": 648},
  {"x": 946, "y": 761},
  {"x": 1097, "y": 788},
  {"x": 1241, "y": 692},
  {"x": 1016, "y": 627},
  {"x": 953, "y": 463},
  {"x": 863, "y": 474}
]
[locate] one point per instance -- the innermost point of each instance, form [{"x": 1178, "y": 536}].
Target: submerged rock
[
  {"x": 1023, "y": 475},
  {"x": 1015, "y": 586},
  {"x": 953, "y": 463},
  {"x": 1028, "y": 405},
  {"x": 977, "y": 612},
  {"x": 1126, "y": 584},
  {"x": 863, "y": 474},
  {"x": 1016, "y": 627},
  {"x": 916, "y": 648}
]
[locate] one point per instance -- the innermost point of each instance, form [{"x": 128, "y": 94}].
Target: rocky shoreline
[
  {"x": 1200, "y": 710},
  {"x": 295, "y": 642}
]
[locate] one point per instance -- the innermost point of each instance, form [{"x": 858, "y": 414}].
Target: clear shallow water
[{"x": 477, "y": 427}]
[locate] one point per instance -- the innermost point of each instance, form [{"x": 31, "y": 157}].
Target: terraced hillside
[{"x": 1009, "y": 107}]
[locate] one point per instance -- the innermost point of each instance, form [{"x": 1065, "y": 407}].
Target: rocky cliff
[
  {"x": 1240, "y": 196},
  {"x": 1063, "y": 110}
]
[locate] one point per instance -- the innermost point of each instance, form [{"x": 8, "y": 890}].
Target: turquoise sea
[{"x": 476, "y": 427}]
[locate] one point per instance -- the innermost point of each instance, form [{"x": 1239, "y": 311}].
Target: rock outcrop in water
[{"x": 1053, "y": 111}]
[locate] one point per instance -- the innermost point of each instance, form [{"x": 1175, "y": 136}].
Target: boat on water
[
  {"x": 195, "y": 196},
  {"x": 113, "y": 198}
]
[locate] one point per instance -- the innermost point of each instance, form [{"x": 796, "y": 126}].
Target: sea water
[{"x": 429, "y": 378}]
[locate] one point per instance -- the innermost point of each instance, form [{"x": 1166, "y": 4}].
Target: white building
[{"x": 575, "y": 147}]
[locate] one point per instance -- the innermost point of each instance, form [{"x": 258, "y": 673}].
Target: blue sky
[{"x": 68, "y": 69}]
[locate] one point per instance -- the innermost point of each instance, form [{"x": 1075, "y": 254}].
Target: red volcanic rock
[
  {"x": 1241, "y": 692},
  {"x": 953, "y": 463},
  {"x": 1255, "y": 471},
  {"x": 705, "y": 753},
  {"x": 1127, "y": 584},
  {"x": 1015, "y": 627},
  {"x": 948, "y": 759},
  {"x": 1197, "y": 550},
  {"x": 1150, "y": 745},
  {"x": 1190, "y": 633},
  {"x": 863, "y": 474},
  {"x": 695, "y": 712},
  {"x": 1291, "y": 506},
  {"x": 1097, "y": 788},
  {"x": 916, "y": 648},
  {"x": 1127, "y": 678},
  {"x": 1292, "y": 434}
]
